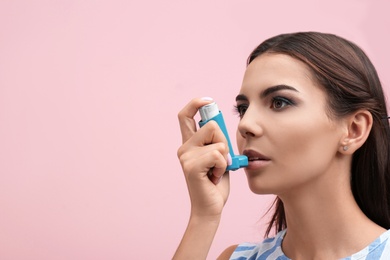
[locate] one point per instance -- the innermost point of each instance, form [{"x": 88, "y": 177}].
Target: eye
[
  {"x": 240, "y": 109},
  {"x": 279, "y": 103}
]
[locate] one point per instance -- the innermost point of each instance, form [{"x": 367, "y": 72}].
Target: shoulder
[
  {"x": 270, "y": 248},
  {"x": 227, "y": 253},
  {"x": 380, "y": 248},
  {"x": 377, "y": 250}
]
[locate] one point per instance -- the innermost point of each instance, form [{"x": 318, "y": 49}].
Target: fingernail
[
  {"x": 207, "y": 98},
  {"x": 229, "y": 159}
]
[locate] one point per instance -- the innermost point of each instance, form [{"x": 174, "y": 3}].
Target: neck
[{"x": 322, "y": 221}]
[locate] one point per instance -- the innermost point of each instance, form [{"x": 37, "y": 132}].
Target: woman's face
[{"x": 284, "y": 128}]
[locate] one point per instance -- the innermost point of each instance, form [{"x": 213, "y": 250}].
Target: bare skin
[
  {"x": 202, "y": 151},
  {"x": 298, "y": 153}
]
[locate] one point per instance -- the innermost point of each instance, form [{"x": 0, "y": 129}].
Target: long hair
[{"x": 351, "y": 83}]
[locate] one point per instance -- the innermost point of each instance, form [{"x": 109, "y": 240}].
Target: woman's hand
[{"x": 204, "y": 157}]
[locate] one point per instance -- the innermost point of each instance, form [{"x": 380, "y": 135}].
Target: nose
[{"x": 250, "y": 125}]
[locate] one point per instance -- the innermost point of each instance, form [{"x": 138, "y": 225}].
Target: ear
[{"x": 357, "y": 129}]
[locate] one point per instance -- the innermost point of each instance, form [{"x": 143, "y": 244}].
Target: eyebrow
[
  {"x": 241, "y": 97},
  {"x": 276, "y": 88},
  {"x": 268, "y": 92}
]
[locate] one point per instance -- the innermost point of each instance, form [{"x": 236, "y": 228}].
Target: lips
[
  {"x": 255, "y": 156},
  {"x": 256, "y": 161}
]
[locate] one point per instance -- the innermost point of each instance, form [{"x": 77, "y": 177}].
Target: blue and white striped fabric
[{"x": 271, "y": 249}]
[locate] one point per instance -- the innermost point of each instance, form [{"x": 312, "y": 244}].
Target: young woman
[{"x": 314, "y": 125}]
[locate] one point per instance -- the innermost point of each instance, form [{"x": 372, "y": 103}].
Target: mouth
[
  {"x": 255, "y": 156},
  {"x": 256, "y": 160}
]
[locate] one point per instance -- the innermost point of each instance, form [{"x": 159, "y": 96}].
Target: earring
[{"x": 345, "y": 147}]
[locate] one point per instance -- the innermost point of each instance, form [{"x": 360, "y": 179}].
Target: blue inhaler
[{"x": 211, "y": 112}]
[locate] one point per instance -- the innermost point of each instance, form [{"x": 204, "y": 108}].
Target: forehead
[{"x": 270, "y": 69}]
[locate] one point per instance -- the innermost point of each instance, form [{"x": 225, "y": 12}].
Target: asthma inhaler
[{"x": 211, "y": 112}]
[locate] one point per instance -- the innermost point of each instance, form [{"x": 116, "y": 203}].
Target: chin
[
  {"x": 262, "y": 189},
  {"x": 257, "y": 183}
]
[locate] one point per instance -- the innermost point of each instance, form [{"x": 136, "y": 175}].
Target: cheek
[{"x": 307, "y": 148}]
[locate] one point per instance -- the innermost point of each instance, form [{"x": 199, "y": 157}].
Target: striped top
[{"x": 271, "y": 249}]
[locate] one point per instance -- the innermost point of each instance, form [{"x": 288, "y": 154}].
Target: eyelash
[
  {"x": 241, "y": 109},
  {"x": 238, "y": 110},
  {"x": 286, "y": 101}
]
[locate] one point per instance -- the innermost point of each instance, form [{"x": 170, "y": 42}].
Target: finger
[
  {"x": 215, "y": 177},
  {"x": 223, "y": 179},
  {"x": 197, "y": 165},
  {"x": 186, "y": 117},
  {"x": 210, "y": 133},
  {"x": 215, "y": 180},
  {"x": 216, "y": 164},
  {"x": 191, "y": 151}
]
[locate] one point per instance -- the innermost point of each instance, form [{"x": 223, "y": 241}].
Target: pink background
[{"x": 89, "y": 93}]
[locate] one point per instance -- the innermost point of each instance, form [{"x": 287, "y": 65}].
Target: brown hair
[{"x": 351, "y": 83}]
